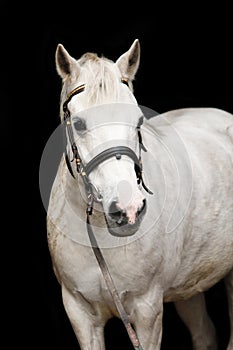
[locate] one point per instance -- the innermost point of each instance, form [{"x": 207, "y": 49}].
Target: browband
[{"x": 79, "y": 89}]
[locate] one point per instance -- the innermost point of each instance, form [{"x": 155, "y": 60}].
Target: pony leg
[
  {"x": 87, "y": 325},
  {"x": 229, "y": 289},
  {"x": 194, "y": 315},
  {"x": 147, "y": 320}
]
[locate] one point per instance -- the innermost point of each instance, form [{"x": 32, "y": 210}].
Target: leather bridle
[{"x": 85, "y": 169}]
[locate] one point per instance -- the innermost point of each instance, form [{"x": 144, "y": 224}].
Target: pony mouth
[{"x": 121, "y": 230}]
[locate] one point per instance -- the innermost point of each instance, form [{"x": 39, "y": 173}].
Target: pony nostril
[
  {"x": 117, "y": 214},
  {"x": 114, "y": 211},
  {"x": 143, "y": 208}
]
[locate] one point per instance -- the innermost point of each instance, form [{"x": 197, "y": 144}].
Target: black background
[{"x": 186, "y": 61}]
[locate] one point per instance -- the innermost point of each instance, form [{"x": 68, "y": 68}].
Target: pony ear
[
  {"x": 128, "y": 63},
  {"x": 66, "y": 65}
]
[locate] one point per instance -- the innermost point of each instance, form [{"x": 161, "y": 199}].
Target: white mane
[{"x": 102, "y": 77}]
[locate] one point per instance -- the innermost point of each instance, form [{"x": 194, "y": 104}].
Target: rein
[
  {"x": 111, "y": 287},
  {"x": 84, "y": 171}
]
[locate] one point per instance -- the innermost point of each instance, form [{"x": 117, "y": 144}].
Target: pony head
[{"x": 104, "y": 115}]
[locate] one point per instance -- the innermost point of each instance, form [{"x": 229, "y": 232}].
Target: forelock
[{"x": 101, "y": 78}]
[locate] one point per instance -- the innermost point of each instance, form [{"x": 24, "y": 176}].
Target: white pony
[{"x": 169, "y": 245}]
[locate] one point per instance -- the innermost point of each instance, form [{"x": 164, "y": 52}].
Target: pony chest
[{"x": 79, "y": 270}]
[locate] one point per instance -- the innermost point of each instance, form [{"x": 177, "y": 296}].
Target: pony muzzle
[{"x": 124, "y": 222}]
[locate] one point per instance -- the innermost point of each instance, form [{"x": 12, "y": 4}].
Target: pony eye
[{"x": 79, "y": 124}]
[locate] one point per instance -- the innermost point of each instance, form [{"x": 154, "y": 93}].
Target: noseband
[{"x": 85, "y": 169}]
